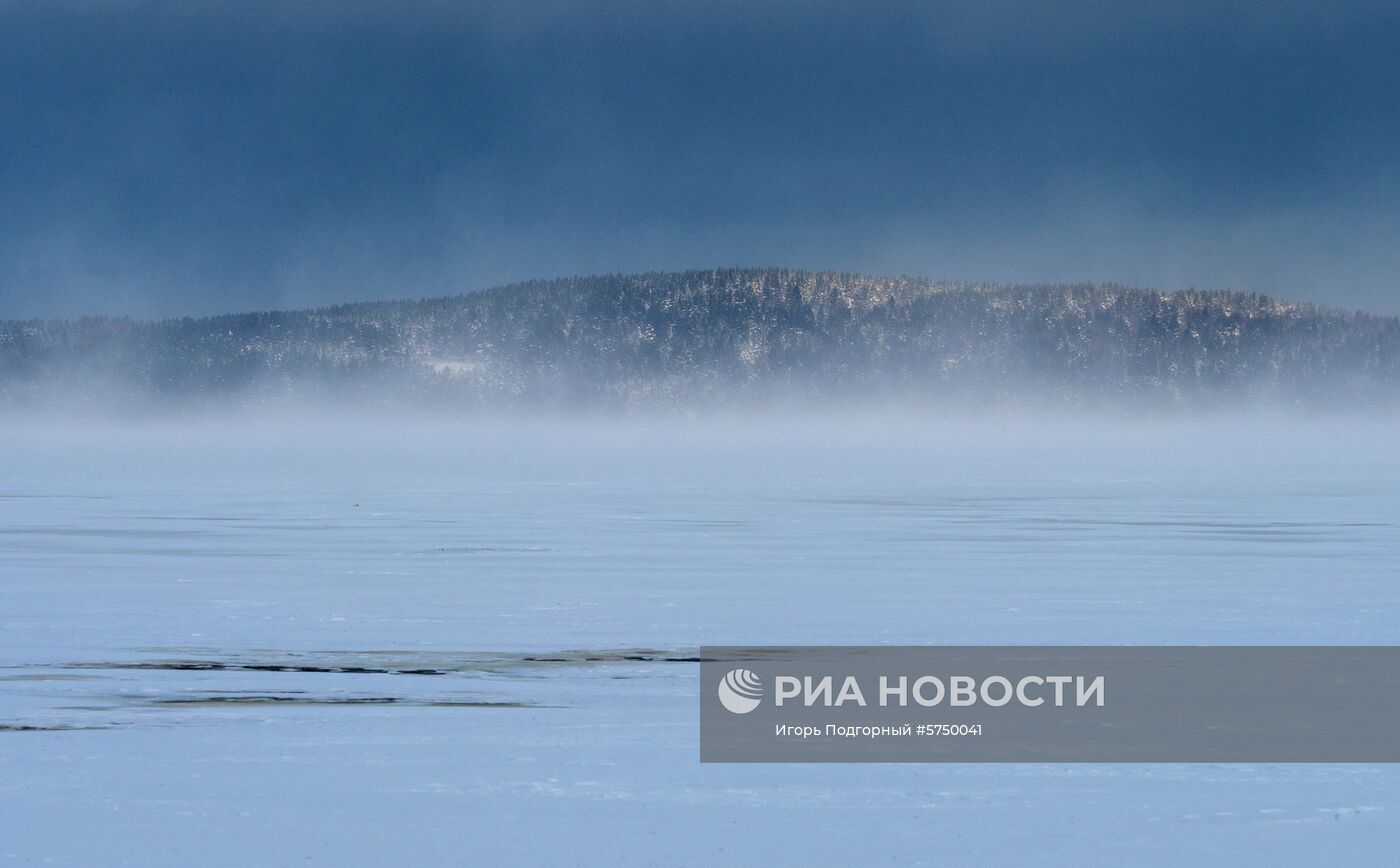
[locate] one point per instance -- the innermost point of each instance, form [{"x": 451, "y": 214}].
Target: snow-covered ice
[{"x": 345, "y": 649}]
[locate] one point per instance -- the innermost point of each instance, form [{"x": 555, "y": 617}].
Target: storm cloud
[{"x": 164, "y": 158}]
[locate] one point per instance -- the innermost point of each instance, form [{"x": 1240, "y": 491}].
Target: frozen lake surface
[{"x": 366, "y": 649}]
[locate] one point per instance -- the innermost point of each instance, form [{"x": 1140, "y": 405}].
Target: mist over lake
[{"x": 726, "y": 339}]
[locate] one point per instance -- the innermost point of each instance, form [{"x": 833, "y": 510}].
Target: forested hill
[{"x": 734, "y": 335}]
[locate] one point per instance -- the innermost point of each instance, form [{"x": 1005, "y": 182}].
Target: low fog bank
[
  {"x": 723, "y": 340},
  {"x": 291, "y": 446}
]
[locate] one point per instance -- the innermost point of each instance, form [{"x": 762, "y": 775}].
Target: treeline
[{"x": 676, "y": 338}]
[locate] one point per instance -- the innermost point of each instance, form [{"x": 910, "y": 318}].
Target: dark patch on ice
[
  {"x": 613, "y": 658},
  {"x": 220, "y": 666},
  {"x": 489, "y": 666},
  {"x": 298, "y": 699},
  {"x": 439, "y": 663},
  {"x": 46, "y": 727}
]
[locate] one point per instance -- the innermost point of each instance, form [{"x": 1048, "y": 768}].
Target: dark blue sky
[{"x": 190, "y": 157}]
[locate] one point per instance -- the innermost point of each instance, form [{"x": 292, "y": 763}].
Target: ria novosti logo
[{"x": 740, "y": 691}]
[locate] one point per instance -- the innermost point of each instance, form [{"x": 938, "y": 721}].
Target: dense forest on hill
[{"x": 731, "y": 335}]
